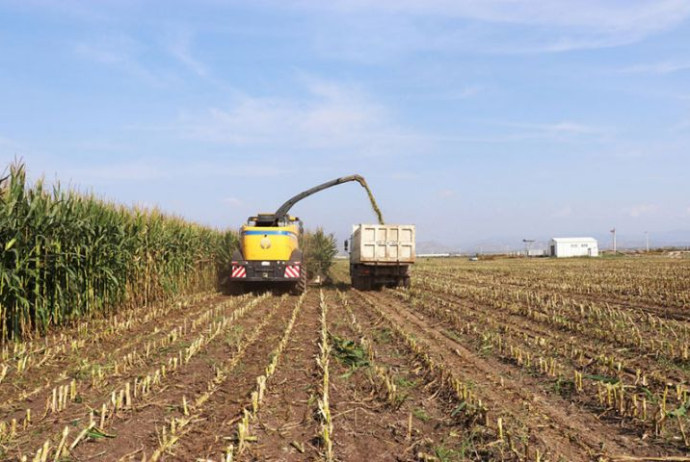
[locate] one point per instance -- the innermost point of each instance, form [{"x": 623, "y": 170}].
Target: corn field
[
  {"x": 141, "y": 359},
  {"x": 67, "y": 255}
]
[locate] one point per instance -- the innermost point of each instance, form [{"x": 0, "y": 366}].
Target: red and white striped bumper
[
  {"x": 238, "y": 272},
  {"x": 292, "y": 271},
  {"x": 262, "y": 271}
]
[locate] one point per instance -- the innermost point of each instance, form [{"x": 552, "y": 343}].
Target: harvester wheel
[
  {"x": 235, "y": 288},
  {"x": 301, "y": 285}
]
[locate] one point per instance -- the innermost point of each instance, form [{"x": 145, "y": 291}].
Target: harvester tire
[
  {"x": 301, "y": 285},
  {"x": 235, "y": 288}
]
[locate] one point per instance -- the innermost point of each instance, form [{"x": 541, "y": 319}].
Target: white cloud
[
  {"x": 179, "y": 44},
  {"x": 447, "y": 193},
  {"x": 330, "y": 117},
  {"x": 662, "y": 68},
  {"x": 636, "y": 211}
]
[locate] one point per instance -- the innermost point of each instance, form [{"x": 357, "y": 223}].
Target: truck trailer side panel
[{"x": 383, "y": 244}]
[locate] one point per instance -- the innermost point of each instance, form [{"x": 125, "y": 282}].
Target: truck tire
[
  {"x": 365, "y": 283},
  {"x": 301, "y": 286}
]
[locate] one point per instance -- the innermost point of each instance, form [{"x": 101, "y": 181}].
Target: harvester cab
[{"x": 269, "y": 250}]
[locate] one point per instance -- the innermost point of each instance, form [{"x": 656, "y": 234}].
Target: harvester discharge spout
[{"x": 269, "y": 251}]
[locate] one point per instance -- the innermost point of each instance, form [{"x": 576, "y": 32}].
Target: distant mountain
[{"x": 435, "y": 247}]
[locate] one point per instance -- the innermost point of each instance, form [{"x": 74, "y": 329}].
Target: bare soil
[{"x": 426, "y": 384}]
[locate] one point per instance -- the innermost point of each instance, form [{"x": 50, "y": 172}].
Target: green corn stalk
[{"x": 65, "y": 255}]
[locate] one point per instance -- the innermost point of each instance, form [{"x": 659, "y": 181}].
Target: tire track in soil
[
  {"x": 434, "y": 430},
  {"x": 363, "y": 428},
  {"x": 286, "y": 416},
  {"x": 135, "y": 429},
  {"x": 564, "y": 430},
  {"x": 211, "y": 437},
  {"x": 215, "y": 429},
  {"x": 91, "y": 398}
]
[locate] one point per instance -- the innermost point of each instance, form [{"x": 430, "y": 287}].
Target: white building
[{"x": 573, "y": 247}]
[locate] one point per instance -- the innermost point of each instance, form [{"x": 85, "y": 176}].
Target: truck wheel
[{"x": 301, "y": 286}]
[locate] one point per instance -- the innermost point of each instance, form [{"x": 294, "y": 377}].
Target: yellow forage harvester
[{"x": 269, "y": 247}]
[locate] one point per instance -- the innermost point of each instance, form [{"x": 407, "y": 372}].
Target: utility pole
[
  {"x": 646, "y": 233},
  {"x": 528, "y": 246},
  {"x": 613, "y": 231}
]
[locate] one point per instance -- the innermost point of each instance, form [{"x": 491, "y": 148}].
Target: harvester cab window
[{"x": 261, "y": 220}]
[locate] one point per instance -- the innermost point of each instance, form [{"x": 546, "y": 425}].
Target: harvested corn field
[{"x": 540, "y": 360}]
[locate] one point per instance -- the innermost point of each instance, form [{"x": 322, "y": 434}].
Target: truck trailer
[{"x": 381, "y": 255}]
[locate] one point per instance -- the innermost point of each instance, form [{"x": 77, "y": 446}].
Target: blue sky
[{"x": 476, "y": 120}]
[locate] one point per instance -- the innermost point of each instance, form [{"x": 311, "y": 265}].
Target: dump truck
[
  {"x": 381, "y": 255},
  {"x": 269, "y": 253}
]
